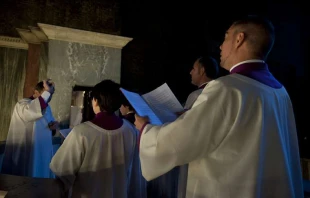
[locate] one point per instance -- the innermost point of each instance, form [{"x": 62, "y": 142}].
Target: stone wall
[
  {"x": 92, "y": 15},
  {"x": 73, "y": 64}
]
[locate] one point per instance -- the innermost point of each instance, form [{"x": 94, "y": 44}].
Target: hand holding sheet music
[
  {"x": 141, "y": 107},
  {"x": 160, "y": 105}
]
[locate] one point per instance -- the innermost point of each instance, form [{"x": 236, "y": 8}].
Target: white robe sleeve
[
  {"x": 68, "y": 158},
  {"x": 45, "y": 95},
  {"x": 186, "y": 139},
  {"x": 30, "y": 110}
]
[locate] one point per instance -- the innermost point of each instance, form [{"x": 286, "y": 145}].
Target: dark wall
[
  {"x": 93, "y": 15},
  {"x": 168, "y": 37}
]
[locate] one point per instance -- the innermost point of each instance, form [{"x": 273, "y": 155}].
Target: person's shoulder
[
  {"x": 81, "y": 128},
  {"x": 22, "y": 103},
  {"x": 195, "y": 93},
  {"x": 127, "y": 125},
  {"x": 219, "y": 85},
  {"x": 223, "y": 81},
  {"x": 88, "y": 125},
  {"x": 24, "y": 100}
]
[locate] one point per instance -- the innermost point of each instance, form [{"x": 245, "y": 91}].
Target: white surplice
[
  {"x": 29, "y": 148},
  {"x": 192, "y": 97},
  {"x": 239, "y": 139},
  {"x": 182, "y": 180},
  {"x": 97, "y": 162}
]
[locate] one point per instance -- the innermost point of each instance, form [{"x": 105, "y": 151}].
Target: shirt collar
[
  {"x": 203, "y": 85},
  {"x": 247, "y": 61}
]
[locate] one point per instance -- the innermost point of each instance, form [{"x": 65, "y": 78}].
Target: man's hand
[
  {"x": 49, "y": 85},
  {"x": 140, "y": 121},
  {"x": 53, "y": 125}
]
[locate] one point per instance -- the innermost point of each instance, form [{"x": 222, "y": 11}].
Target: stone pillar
[
  {"x": 33, "y": 61},
  {"x": 79, "y": 58},
  {"x": 32, "y": 69}
]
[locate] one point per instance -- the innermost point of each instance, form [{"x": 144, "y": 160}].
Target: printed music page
[
  {"x": 164, "y": 103},
  {"x": 141, "y": 107}
]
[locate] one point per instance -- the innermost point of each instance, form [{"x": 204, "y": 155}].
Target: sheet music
[
  {"x": 65, "y": 132},
  {"x": 164, "y": 103},
  {"x": 141, "y": 107}
]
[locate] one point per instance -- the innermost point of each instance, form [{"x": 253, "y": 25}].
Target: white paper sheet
[
  {"x": 65, "y": 132},
  {"x": 140, "y": 106},
  {"x": 160, "y": 105},
  {"x": 164, "y": 103}
]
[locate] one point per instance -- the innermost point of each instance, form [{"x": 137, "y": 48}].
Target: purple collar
[
  {"x": 257, "y": 71},
  {"x": 108, "y": 121},
  {"x": 43, "y": 104}
]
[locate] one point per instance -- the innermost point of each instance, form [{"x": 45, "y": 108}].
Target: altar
[{"x": 27, "y": 187}]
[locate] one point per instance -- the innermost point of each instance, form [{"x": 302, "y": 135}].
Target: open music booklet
[{"x": 160, "y": 105}]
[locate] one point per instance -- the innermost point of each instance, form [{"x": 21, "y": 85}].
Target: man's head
[
  {"x": 204, "y": 70},
  {"x": 106, "y": 97},
  {"x": 249, "y": 38},
  {"x": 125, "y": 107},
  {"x": 39, "y": 89}
]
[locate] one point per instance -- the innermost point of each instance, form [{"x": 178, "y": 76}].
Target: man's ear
[
  {"x": 240, "y": 39},
  {"x": 95, "y": 102},
  {"x": 202, "y": 70},
  {"x": 36, "y": 93}
]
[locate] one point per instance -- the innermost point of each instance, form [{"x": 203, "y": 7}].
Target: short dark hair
[
  {"x": 39, "y": 87},
  {"x": 210, "y": 66},
  {"x": 259, "y": 32},
  {"x": 108, "y": 95},
  {"x": 126, "y": 103}
]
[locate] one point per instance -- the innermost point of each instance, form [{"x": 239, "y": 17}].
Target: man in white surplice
[
  {"x": 96, "y": 158},
  {"x": 239, "y": 137},
  {"x": 205, "y": 69},
  {"x": 29, "y": 147}
]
